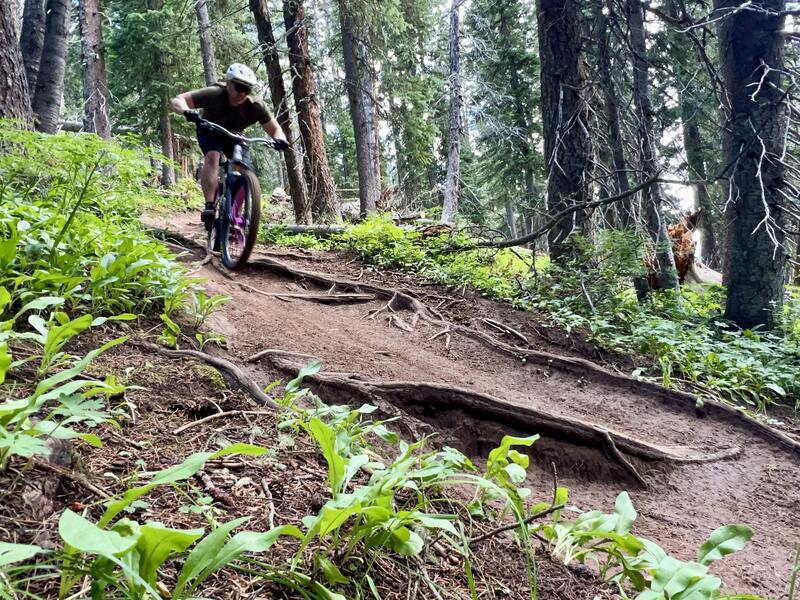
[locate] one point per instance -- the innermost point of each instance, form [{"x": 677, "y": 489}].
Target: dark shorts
[{"x": 210, "y": 142}]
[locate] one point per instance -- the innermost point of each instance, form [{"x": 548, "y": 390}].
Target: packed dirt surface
[{"x": 734, "y": 474}]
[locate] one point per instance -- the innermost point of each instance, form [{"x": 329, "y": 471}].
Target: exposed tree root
[
  {"x": 321, "y": 298},
  {"x": 430, "y": 397},
  {"x": 168, "y": 235},
  {"x": 276, "y": 351},
  {"x": 225, "y": 367},
  {"x": 613, "y": 451},
  {"x": 400, "y": 300}
]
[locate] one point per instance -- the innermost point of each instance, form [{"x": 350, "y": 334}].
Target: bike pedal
[{"x": 207, "y": 217}]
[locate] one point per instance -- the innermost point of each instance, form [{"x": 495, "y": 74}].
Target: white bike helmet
[{"x": 241, "y": 73}]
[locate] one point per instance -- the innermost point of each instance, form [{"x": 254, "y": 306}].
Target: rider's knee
[{"x": 211, "y": 160}]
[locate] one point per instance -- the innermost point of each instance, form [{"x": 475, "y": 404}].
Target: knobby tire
[{"x": 252, "y": 208}]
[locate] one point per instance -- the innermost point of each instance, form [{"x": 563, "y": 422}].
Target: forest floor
[
  {"x": 688, "y": 471},
  {"x": 681, "y": 504}
]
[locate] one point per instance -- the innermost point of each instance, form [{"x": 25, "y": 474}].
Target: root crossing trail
[{"x": 687, "y": 473}]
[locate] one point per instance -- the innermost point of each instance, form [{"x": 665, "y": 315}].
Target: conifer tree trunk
[
  {"x": 451, "y": 187},
  {"x": 653, "y": 195},
  {"x": 165, "y": 127},
  {"x": 14, "y": 99},
  {"x": 294, "y": 172},
  {"x": 50, "y": 81},
  {"x": 523, "y": 117},
  {"x": 95, "y": 84},
  {"x": 32, "y": 39},
  {"x": 359, "y": 94},
  {"x": 206, "y": 43},
  {"x": 564, "y": 116},
  {"x": 624, "y": 212},
  {"x": 322, "y": 190},
  {"x": 167, "y": 170},
  {"x": 610, "y": 103},
  {"x": 696, "y": 163},
  {"x": 691, "y": 91},
  {"x": 751, "y": 54},
  {"x": 511, "y": 219}
]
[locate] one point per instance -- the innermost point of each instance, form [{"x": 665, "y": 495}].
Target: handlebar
[{"x": 235, "y": 137}]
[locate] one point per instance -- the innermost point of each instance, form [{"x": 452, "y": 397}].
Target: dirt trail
[{"x": 682, "y": 503}]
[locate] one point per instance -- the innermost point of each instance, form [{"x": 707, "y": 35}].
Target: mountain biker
[{"x": 233, "y": 106}]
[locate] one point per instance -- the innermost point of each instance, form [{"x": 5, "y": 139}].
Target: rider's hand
[
  {"x": 192, "y": 116},
  {"x": 280, "y": 144}
]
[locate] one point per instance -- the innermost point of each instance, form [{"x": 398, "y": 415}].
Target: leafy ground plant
[
  {"x": 69, "y": 225},
  {"x": 388, "y": 501},
  {"x": 638, "y": 565}
]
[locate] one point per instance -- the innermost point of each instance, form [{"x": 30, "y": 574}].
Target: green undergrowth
[
  {"x": 73, "y": 258},
  {"x": 184, "y": 194},
  {"x": 686, "y": 342},
  {"x": 69, "y": 223},
  {"x": 389, "y": 501}
]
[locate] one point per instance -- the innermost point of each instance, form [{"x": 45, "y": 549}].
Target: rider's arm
[
  {"x": 274, "y": 130},
  {"x": 182, "y": 102}
]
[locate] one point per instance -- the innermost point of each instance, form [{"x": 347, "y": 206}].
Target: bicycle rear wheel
[{"x": 239, "y": 227}]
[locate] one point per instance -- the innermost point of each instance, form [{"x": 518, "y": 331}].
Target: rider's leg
[
  {"x": 209, "y": 176},
  {"x": 209, "y": 180}
]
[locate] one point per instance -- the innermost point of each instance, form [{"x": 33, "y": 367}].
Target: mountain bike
[{"x": 238, "y": 201}]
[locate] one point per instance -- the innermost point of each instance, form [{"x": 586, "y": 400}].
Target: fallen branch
[
  {"x": 532, "y": 237},
  {"x": 218, "y": 415},
  {"x": 226, "y": 367},
  {"x": 477, "y": 540},
  {"x": 270, "y": 502},
  {"x": 217, "y": 493},
  {"x": 78, "y": 478}
]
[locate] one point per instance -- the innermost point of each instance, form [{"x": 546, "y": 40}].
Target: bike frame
[{"x": 225, "y": 207}]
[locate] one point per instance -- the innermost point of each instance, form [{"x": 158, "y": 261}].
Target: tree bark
[
  {"x": 362, "y": 112},
  {"x": 206, "y": 43},
  {"x": 610, "y": 103},
  {"x": 167, "y": 170},
  {"x": 695, "y": 161},
  {"x": 653, "y": 195},
  {"x": 567, "y": 145},
  {"x": 277, "y": 89},
  {"x": 32, "y": 39},
  {"x": 511, "y": 219},
  {"x": 322, "y": 192},
  {"x": 451, "y": 186},
  {"x": 14, "y": 99},
  {"x": 751, "y": 54},
  {"x": 50, "y": 81},
  {"x": 523, "y": 117},
  {"x": 95, "y": 84}
]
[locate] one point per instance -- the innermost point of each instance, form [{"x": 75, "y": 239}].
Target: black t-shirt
[{"x": 216, "y": 108}]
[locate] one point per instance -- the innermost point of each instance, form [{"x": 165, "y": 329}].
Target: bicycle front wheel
[{"x": 241, "y": 221}]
